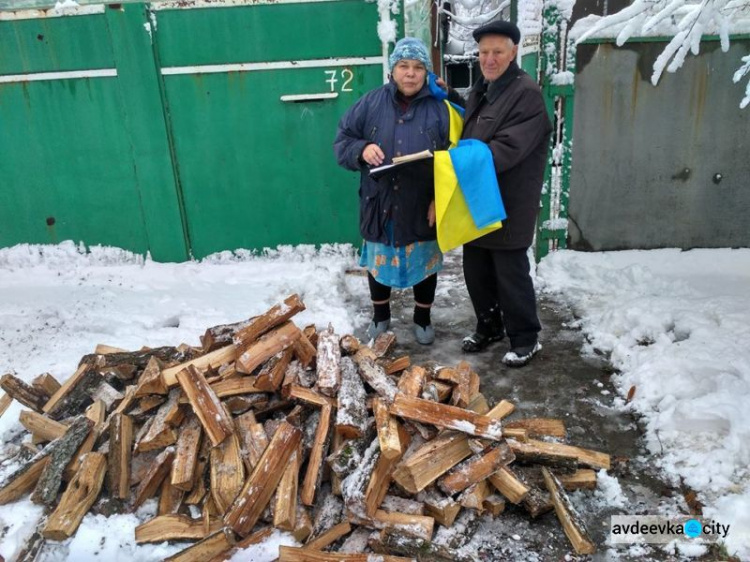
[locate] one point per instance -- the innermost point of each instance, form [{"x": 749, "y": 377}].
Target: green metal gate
[{"x": 182, "y": 128}]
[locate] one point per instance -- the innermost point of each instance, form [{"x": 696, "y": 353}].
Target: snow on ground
[{"x": 676, "y": 325}]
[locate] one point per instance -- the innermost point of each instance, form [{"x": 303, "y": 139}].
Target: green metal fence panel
[
  {"x": 155, "y": 170},
  {"x": 59, "y": 177},
  {"x": 253, "y": 137},
  {"x": 49, "y": 44},
  {"x": 182, "y": 128}
]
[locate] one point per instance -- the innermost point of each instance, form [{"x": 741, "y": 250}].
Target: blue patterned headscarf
[{"x": 411, "y": 49}]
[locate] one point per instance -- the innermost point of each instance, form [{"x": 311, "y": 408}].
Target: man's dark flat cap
[{"x": 507, "y": 28}]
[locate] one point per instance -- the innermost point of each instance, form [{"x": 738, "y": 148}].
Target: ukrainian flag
[{"x": 467, "y": 197}]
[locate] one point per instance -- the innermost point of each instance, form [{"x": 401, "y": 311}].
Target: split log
[
  {"x": 120, "y": 447},
  {"x": 23, "y": 393},
  {"x": 328, "y": 513},
  {"x": 396, "y": 365},
  {"x": 60, "y": 452},
  {"x": 380, "y": 478},
  {"x": 391, "y": 540},
  {"x": 285, "y": 507},
  {"x": 474, "y": 496},
  {"x": 476, "y": 469},
  {"x": 494, "y": 504},
  {"x": 157, "y": 472},
  {"x": 349, "y": 344},
  {"x": 462, "y": 391},
  {"x": 77, "y": 498},
  {"x": 571, "y": 521},
  {"x": 354, "y": 486},
  {"x": 213, "y": 545},
  {"x": 212, "y": 415},
  {"x": 419, "y": 526},
  {"x": 508, "y": 484},
  {"x": 304, "y": 350},
  {"x": 175, "y": 528},
  {"x": 330, "y": 536},
  {"x": 374, "y": 375},
  {"x": 254, "y": 497},
  {"x": 170, "y": 498},
  {"x": 74, "y": 394},
  {"x": 351, "y": 414},
  {"x": 259, "y": 351},
  {"x": 227, "y": 473},
  {"x": 253, "y": 439},
  {"x": 275, "y": 316},
  {"x": 107, "y": 394},
  {"x": 5, "y": 402},
  {"x": 41, "y": 426},
  {"x": 537, "y": 427},
  {"x": 104, "y": 349},
  {"x": 186, "y": 454},
  {"x": 443, "y": 509},
  {"x": 537, "y": 502},
  {"x": 236, "y": 386},
  {"x": 304, "y": 524},
  {"x": 214, "y": 359},
  {"x": 199, "y": 490},
  {"x": 542, "y": 452},
  {"x": 272, "y": 374},
  {"x": 583, "y": 478},
  {"x": 315, "y": 466},
  {"x": 329, "y": 363},
  {"x": 297, "y": 392},
  {"x": 447, "y": 417},
  {"x": 139, "y": 359},
  {"x": 46, "y": 383},
  {"x": 23, "y": 480},
  {"x": 437, "y": 391},
  {"x": 160, "y": 433},
  {"x": 256, "y": 538},
  {"x": 294, "y": 554},
  {"x": 436, "y": 457},
  {"x": 221, "y": 335},
  {"x": 412, "y": 381},
  {"x": 348, "y": 457},
  {"x": 151, "y": 380},
  {"x": 240, "y": 404},
  {"x": 383, "y": 344},
  {"x": 96, "y": 412},
  {"x": 465, "y": 527},
  {"x": 388, "y": 431}
]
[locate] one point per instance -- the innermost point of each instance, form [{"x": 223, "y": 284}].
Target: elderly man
[{"x": 505, "y": 109}]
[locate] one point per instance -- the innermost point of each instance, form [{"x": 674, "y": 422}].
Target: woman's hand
[
  {"x": 373, "y": 155},
  {"x": 431, "y": 215}
]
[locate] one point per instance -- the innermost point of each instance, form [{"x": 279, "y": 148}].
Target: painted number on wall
[{"x": 344, "y": 76}]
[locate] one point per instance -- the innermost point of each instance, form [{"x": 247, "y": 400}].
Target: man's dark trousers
[{"x": 501, "y": 278}]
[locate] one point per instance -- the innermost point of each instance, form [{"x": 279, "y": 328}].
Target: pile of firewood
[{"x": 266, "y": 427}]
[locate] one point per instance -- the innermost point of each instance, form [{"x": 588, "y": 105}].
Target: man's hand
[
  {"x": 373, "y": 155},
  {"x": 431, "y": 215}
]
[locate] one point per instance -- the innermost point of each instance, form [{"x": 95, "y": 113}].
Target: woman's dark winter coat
[{"x": 403, "y": 197}]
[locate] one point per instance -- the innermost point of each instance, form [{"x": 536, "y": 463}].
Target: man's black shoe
[
  {"x": 520, "y": 356},
  {"x": 477, "y": 341}
]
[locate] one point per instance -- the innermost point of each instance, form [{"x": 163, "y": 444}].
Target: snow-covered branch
[{"x": 685, "y": 21}]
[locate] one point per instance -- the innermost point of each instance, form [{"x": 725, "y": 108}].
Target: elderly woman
[{"x": 397, "y": 211}]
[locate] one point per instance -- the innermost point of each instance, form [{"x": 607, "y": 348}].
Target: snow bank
[{"x": 676, "y": 325}]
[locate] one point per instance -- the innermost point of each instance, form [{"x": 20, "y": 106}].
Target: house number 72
[{"x": 346, "y": 77}]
